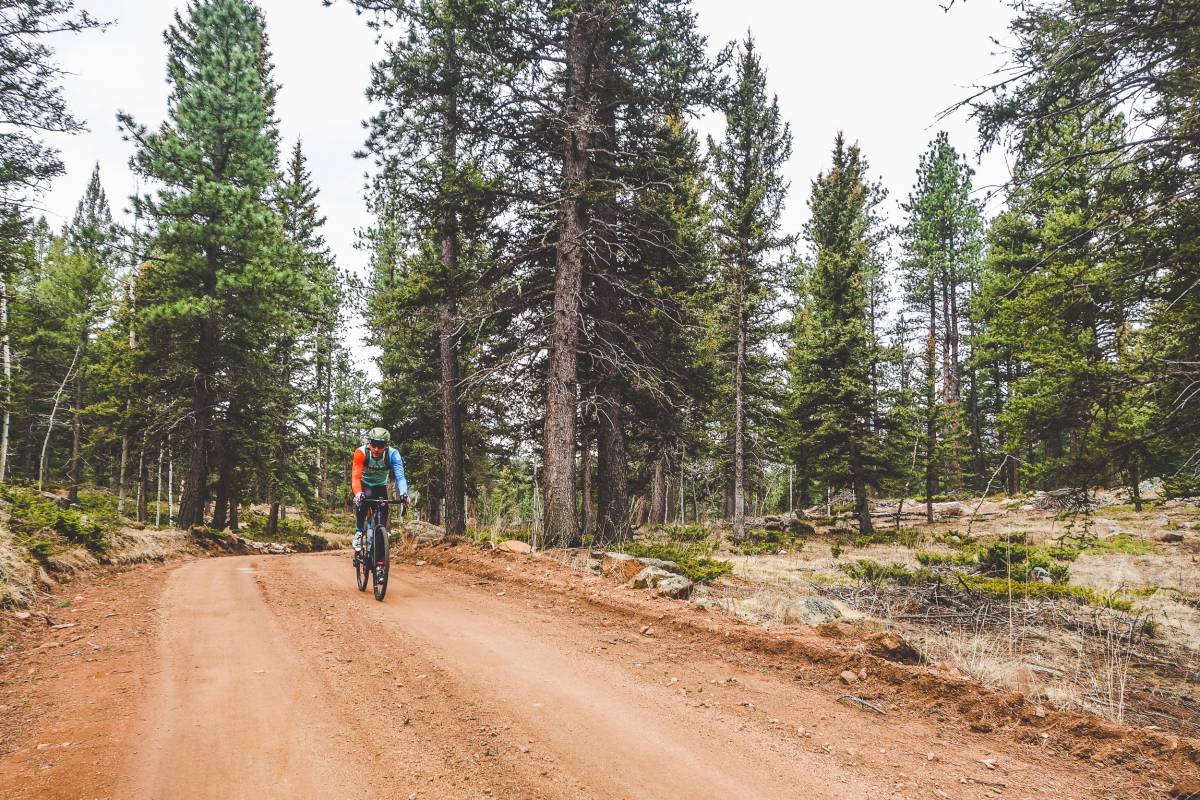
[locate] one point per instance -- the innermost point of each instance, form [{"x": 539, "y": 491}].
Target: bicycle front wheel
[
  {"x": 362, "y": 565},
  {"x": 382, "y": 563}
]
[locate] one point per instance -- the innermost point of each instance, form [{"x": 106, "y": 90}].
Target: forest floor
[
  {"x": 486, "y": 674},
  {"x": 1117, "y": 633}
]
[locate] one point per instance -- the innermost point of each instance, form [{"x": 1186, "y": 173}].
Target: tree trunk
[
  {"x": 613, "y": 495},
  {"x": 587, "y": 509},
  {"x": 77, "y": 427},
  {"x": 931, "y": 407},
  {"x": 143, "y": 499},
  {"x": 43, "y": 465},
  {"x": 862, "y": 503},
  {"x": 452, "y": 439},
  {"x": 559, "y": 515},
  {"x": 658, "y": 493},
  {"x": 739, "y": 422},
  {"x": 6, "y": 355},
  {"x": 195, "y": 482}
]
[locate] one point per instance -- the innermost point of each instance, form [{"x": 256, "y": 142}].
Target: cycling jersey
[{"x": 374, "y": 471}]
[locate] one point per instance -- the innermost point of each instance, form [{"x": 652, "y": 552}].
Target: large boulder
[
  {"x": 515, "y": 546},
  {"x": 810, "y": 611},
  {"x": 624, "y": 567},
  {"x": 423, "y": 532},
  {"x": 665, "y": 583}
]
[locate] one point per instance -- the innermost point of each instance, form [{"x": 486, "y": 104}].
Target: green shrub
[
  {"x": 33, "y": 516},
  {"x": 1014, "y": 559},
  {"x": 867, "y": 571},
  {"x": 905, "y": 537},
  {"x": 930, "y": 559},
  {"x": 760, "y": 541},
  {"x": 1001, "y": 588}
]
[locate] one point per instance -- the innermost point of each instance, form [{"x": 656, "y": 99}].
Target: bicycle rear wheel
[
  {"x": 382, "y": 563},
  {"x": 362, "y": 567}
]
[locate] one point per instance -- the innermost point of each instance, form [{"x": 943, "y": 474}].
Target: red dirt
[{"x": 491, "y": 676}]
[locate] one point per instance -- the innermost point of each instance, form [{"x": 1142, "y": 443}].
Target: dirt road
[{"x": 273, "y": 677}]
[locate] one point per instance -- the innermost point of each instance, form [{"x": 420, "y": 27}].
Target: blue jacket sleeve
[{"x": 398, "y": 472}]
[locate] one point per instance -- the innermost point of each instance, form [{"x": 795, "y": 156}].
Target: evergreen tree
[
  {"x": 832, "y": 357},
  {"x": 83, "y": 289},
  {"x": 942, "y": 241},
  {"x": 748, "y": 196},
  {"x": 214, "y": 282},
  {"x": 31, "y": 101}
]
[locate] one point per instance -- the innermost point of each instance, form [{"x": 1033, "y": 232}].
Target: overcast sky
[{"x": 880, "y": 70}]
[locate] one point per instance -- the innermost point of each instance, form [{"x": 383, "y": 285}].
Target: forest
[{"x": 587, "y": 317}]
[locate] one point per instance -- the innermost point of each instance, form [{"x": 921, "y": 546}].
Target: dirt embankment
[{"x": 485, "y": 675}]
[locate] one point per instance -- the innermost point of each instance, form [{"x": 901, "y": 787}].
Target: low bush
[
  {"x": 35, "y": 519},
  {"x": 1012, "y": 558},
  {"x": 760, "y": 541},
  {"x": 1000, "y": 588}
]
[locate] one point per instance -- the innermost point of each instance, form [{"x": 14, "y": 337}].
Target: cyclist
[{"x": 369, "y": 476}]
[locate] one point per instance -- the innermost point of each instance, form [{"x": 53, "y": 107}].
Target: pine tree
[
  {"x": 31, "y": 101},
  {"x": 748, "y": 196},
  {"x": 942, "y": 242},
  {"x": 834, "y": 406},
  {"x": 85, "y": 287},
  {"x": 214, "y": 227}
]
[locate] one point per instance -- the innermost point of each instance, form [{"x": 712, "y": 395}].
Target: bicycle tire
[
  {"x": 382, "y": 564},
  {"x": 361, "y": 569}
]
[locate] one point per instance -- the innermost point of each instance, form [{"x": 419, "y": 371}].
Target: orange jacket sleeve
[{"x": 356, "y": 471}]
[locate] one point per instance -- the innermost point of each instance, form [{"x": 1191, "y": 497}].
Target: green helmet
[{"x": 379, "y": 436}]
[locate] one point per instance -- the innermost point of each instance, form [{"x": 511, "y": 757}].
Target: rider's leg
[{"x": 360, "y": 517}]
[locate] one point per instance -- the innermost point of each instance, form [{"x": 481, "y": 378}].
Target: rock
[
  {"x": 624, "y": 567},
  {"x": 1162, "y": 522},
  {"x": 1151, "y": 489},
  {"x": 893, "y": 647},
  {"x": 1040, "y": 575},
  {"x": 676, "y": 586},
  {"x": 849, "y": 677},
  {"x": 1168, "y": 537},
  {"x": 515, "y": 546},
  {"x": 22, "y": 614},
  {"x": 836, "y": 630},
  {"x": 811, "y": 611},
  {"x": 278, "y": 548},
  {"x": 665, "y": 583},
  {"x": 424, "y": 532}
]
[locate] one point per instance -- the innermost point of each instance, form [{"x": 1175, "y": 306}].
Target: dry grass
[
  {"x": 1138, "y": 667},
  {"x": 21, "y": 577},
  {"x": 18, "y": 576}
]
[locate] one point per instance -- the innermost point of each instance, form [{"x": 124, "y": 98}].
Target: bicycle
[{"x": 375, "y": 537}]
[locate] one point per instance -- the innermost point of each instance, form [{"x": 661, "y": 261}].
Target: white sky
[{"x": 880, "y": 70}]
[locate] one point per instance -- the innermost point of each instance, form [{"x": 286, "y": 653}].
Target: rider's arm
[
  {"x": 398, "y": 472},
  {"x": 356, "y": 471}
]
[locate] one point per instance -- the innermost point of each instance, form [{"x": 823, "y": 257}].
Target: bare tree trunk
[
  {"x": 143, "y": 484},
  {"x": 42, "y": 466},
  {"x": 559, "y": 515},
  {"x": 195, "y": 486},
  {"x": 587, "y": 509},
  {"x": 739, "y": 421},
  {"x": 452, "y": 439},
  {"x": 930, "y": 410},
  {"x": 6, "y": 354},
  {"x": 658, "y": 493},
  {"x": 613, "y": 512},
  {"x": 77, "y": 427}
]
